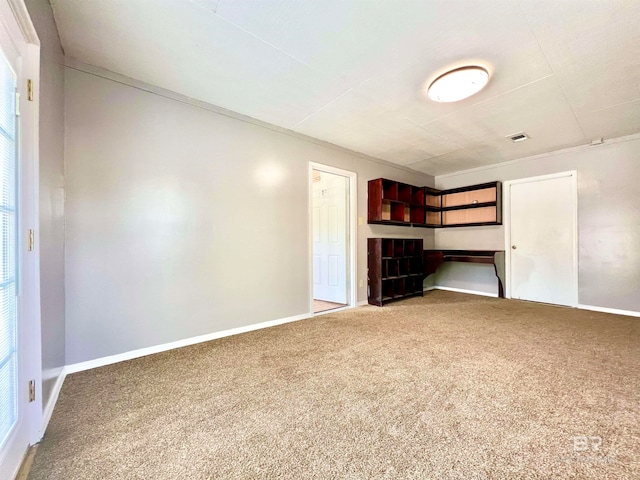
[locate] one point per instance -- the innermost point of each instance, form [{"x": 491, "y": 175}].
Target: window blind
[{"x": 8, "y": 301}]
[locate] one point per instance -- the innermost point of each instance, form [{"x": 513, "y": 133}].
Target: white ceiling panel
[
  {"x": 592, "y": 46},
  {"x": 539, "y": 109},
  {"x": 457, "y": 160},
  {"x": 182, "y": 47},
  {"x": 390, "y": 51},
  {"x": 612, "y": 122},
  {"x": 502, "y": 150},
  {"x": 351, "y": 40},
  {"x": 364, "y": 125},
  {"x": 350, "y": 114},
  {"x": 501, "y": 43},
  {"x": 354, "y": 72}
]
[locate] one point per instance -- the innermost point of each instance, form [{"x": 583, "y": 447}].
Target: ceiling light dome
[{"x": 458, "y": 84}]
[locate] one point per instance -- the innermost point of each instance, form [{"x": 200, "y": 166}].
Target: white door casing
[
  {"x": 20, "y": 47},
  {"x": 330, "y": 245},
  {"x": 541, "y": 239}
]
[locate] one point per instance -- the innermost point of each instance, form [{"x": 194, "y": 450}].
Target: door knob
[{"x": 513, "y": 247}]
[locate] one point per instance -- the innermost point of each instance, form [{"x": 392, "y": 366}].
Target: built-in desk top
[{"x": 434, "y": 258}]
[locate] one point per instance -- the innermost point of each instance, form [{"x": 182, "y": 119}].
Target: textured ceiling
[{"x": 353, "y": 73}]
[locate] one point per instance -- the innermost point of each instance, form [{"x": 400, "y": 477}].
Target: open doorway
[{"x": 332, "y": 242}]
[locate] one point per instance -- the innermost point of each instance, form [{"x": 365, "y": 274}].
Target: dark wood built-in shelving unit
[
  {"x": 396, "y": 269},
  {"x": 396, "y": 203},
  {"x": 473, "y": 205}
]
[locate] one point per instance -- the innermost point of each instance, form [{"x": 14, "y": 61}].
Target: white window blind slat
[{"x": 8, "y": 222}]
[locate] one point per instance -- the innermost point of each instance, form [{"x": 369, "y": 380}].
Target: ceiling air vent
[{"x": 518, "y": 137}]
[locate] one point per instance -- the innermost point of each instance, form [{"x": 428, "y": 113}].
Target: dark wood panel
[
  {"x": 395, "y": 269},
  {"x": 374, "y": 201}
]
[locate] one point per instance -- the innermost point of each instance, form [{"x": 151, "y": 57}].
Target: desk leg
[
  {"x": 431, "y": 262},
  {"x": 499, "y": 265}
]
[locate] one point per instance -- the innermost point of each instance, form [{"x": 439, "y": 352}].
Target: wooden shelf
[
  {"x": 473, "y": 205},
  {"x": 469, "y": 197},
  {"x": 396, "y": 269},
  {"x": 400, "y": 204}
]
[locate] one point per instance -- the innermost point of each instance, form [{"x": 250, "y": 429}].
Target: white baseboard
[
  {"x": 362, "y": 303},
  {"x": 53, "y": 398},
  {"x": 615, "y": 311},
  {"x": 121, "y": 357},
  {"x": 142, "y": 352},
  {"x": 461, "y": 290}
]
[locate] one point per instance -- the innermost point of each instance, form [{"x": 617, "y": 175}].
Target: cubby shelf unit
[{"x": 395, "y": 269}]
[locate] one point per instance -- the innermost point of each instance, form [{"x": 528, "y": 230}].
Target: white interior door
[
  {"x": 330, "y": 242},
  {"x": 542, "y": 235}
]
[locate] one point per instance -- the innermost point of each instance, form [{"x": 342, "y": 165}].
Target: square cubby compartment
[{"x": 392, "y": 268}]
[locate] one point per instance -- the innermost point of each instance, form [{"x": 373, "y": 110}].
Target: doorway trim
[
  {"x": 573, "y": 174},
  {"x": 19, "y": 39},
  {"x": 352, "y": 232}
]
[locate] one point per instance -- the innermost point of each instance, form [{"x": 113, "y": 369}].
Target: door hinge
[
  {"x": 31, "y": 240},
  {"x": 32, "y": 391},
  {"x": 30, "y": 90}
]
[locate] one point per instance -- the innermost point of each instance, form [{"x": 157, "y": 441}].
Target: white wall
[
  {"x": 51, "y": 193},
  {"x": 608, "y": 222},
  {"x": 183, "y": 222}
]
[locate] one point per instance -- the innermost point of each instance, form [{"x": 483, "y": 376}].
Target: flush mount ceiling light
[{"x": 458, "y": 84}]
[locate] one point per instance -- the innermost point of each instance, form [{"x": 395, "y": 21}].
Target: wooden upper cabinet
[
  {"x": 396, "y": 203},
  {"x": 473, "y": 205}
]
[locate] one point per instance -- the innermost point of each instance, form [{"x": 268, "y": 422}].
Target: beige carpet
[{"x": 448, "y": 386}]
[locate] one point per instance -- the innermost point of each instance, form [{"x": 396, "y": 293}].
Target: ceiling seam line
[
  {"x": 616, "y": 105},
  {"x": 323, "y": 107},
  {"x": 471, "y": 154},
  {"x": 264, "y": 41},
  {"x": 193, "y": 2},
  {"x": 515, "y": 89},
  {"x": 422, "y": 127},
  {"x": 546, "y": 57},
  {"x": 511, "y": 90},
  {"x": 573, "y": 112},
  {"x": 544, "y": 54}
]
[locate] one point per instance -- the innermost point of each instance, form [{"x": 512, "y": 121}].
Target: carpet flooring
[{"x": 449, "y": 386}]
